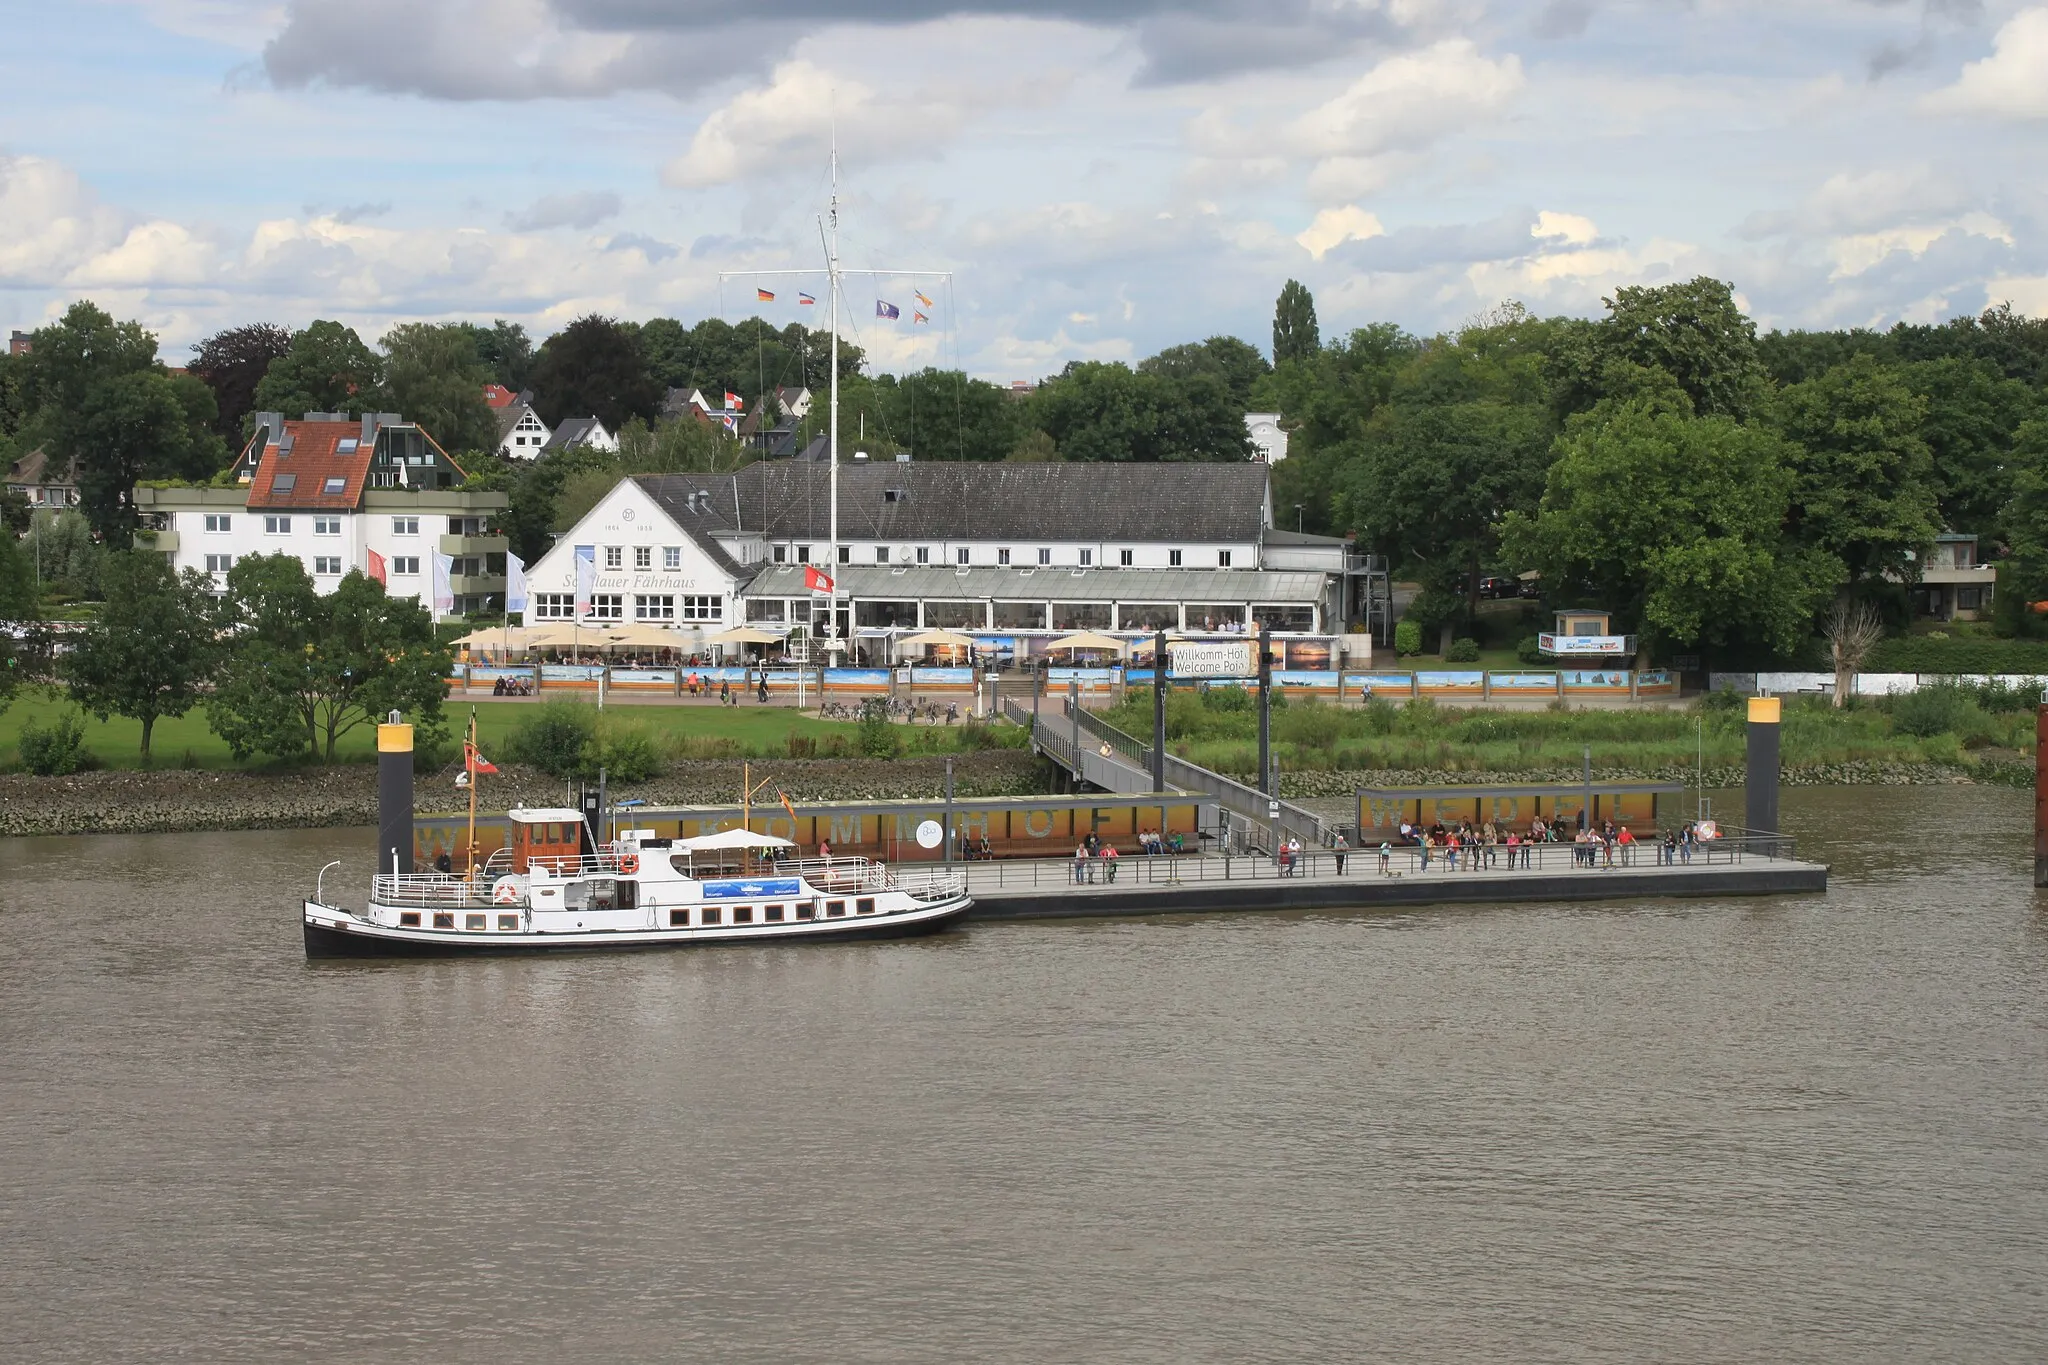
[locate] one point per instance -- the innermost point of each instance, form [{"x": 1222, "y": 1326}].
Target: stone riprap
[{"x": 168, "y": 801}]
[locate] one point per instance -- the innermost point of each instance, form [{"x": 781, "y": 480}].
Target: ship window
[
  {"x": 743, "y": 914},
  {"x": 508, "y": 921},
  {"x": 834, "y": 909},
  {"x": 807, "y": 910},
  {"x": 678, "y": 919},
  {"x": 444, "y": 919},
  {"x": 408, "y": 919},
  {"x": 473, "y": 921},
  {"x": 773, "y": 914},
  {"x": 864, "y": 906},
  {"x": 711, "y": 914}
]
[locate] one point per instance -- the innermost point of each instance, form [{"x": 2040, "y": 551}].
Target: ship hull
[{"x": 340, "y": 936}]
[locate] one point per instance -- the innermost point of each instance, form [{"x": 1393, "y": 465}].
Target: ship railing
[
  {"x": 567, "y": 865},
  {"x": 429, "y": 890},
  {"x": 838, "y": 874}
]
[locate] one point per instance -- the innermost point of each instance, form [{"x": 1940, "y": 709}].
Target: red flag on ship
[
  {"x": 815, "y": 579},
  {"x": 475, "y": 761}
]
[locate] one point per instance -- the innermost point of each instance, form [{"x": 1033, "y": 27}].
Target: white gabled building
[
  {"x": 521, "y": 433},
  {"x": 996, "y": 547},
  {"x": 339, "y": 493}
]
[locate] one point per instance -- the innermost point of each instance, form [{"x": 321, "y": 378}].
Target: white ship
[{"x": 550, "y": 891}]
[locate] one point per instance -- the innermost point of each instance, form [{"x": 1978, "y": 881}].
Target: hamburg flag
[
  {"x": 921, "y": 298},
  {"x": 805, "y": 299},
  {"x": 815, "y": 579},
  {"x": 764, "y": 296},
  {"x": 377, "y": 568},
  {"x": 475, "y": 761},
  {"x": 917, "y": 317},
  {"x": 887, "y": 310}
]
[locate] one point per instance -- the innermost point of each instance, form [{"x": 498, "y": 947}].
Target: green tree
[
  {"x": 100, "y": 397},
  {"x": 1863, "y": 490},
  {"x": 20, "y": 609},
  {"x": 305, "y": 669},
  {"x": 594, "y": 367},
  {"x": 1295, "y": 334},
  {"x": 678, "y": 446},
  {"x": 327, "y": 369},
  {"x": 1107, "y": 411},
  {"x": 150, "y": 650},
  {"x": 434, "y": 376},
  {"x": 505, "y": 351},
  {"x": 65, "y": 554},
  {"x": 1034, "y": 447},
  {"x": 232, "y": 364},
  {"x": 1694, "y": 333},
  {"x": 1973, "y": 415},
  {"x": 1675, "y": 523},
  {"x": 2023, "y": 525},
  {"x": 1237, "y": 364}
]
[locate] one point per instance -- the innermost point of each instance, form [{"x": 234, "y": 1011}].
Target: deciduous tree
[
  {"x": 433, "y": 375},
  {"x": 1107, "y": 411},
  {"x": 1296, "y": 336},
  {"x": 327, "y": 369},
  {"x": 594, "y": 367},
  {"x": 232, "y": 364},
  {"x": 151, "y": 648},
  {"x": 304, "y": 669}
]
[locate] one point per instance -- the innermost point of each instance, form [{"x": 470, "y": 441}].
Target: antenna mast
[{"x": 832, "y": 427}]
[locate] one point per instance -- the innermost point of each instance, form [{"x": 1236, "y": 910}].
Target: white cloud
[
  {"x": 2012, "y": 82},
  {"x": 1568, "y": 228},
  {"x": 1332, "y": 227},
  {"x": 2028, "y": 294},
  {"x": 1852, "y": 255},
  {"x": 584, "y": 209}
]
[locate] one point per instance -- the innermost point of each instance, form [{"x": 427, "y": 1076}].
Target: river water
[{"x": 1795, "y": 1129}]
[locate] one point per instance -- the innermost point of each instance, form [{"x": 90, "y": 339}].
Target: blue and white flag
[
  {"x": 586, "y": 577},
  {"x": 515, "y": 583},
  {"x": 887, "y": 310}
]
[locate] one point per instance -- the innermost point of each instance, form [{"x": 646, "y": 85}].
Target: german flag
[{"x": 764, "y": 296}]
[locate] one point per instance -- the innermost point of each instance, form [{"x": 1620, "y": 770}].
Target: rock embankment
[{"x": 168, "y": 801}]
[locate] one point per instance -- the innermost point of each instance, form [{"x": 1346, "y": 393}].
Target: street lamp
[{"x": 1297, "y": 518}]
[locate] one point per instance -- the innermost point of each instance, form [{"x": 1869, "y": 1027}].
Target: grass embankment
[
  {"x": 1948, "y": 728},
  {"x": 676, "y": 733}
]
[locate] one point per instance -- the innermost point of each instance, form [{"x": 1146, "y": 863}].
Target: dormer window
[
  {"x": 281, "y": 484},
  {"x": 334, "y": 487},
  {"x": 895, "y": 495}
]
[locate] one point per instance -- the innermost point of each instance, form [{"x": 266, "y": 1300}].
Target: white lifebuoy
[
  {"x": 1707, "y": 829},
  {"x": 506, "y": 891},
  {"x": 629, "y": 864}
]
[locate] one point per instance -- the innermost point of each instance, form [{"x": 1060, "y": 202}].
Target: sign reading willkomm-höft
[{"x": 1213, "y": 658}]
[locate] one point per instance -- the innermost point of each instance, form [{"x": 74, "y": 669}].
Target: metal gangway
[{"x": 1096, "y": 752}]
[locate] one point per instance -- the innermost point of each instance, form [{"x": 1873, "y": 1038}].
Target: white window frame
[
  {"x": 327, "y": 526},
  {"x": 1223, "y": 559},
  {"x": 654, "y": 607},
  {"x": 614, "y": 558},
  {"x": 405, "y": 566},
  {"x": 608, "y": 606},
  {"x": 219, "y": 563},
  {"x": 1173, "y": 559},
  {"x": 671, "y": 557},
  {"x": 554, "y": 606},
  {"x": 405, "y": 526},
  {"x": 709, "y": 608},
  {"x": 1045, "y": 554},
  {"x": 219, "y": 523},
  {"x": 328, "y": 566},
  {"x": 643, "y": 558},
  {"x": 277, "y": 526},
  {"x": 1126, "y": 557},
  {"x": 962, "y": 555},
  {"x": 1003, "y": 556},
  {"x": 1087, "y": 558}
]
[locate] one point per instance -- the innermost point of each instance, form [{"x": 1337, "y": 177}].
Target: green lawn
[{"x": 747, "y": 730}]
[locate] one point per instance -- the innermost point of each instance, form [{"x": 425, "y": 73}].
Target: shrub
[
  {"x": 1463, "y": 650},
  {"x": 979, "y": 735},
  {"x": 1408, "y": 638},
  {"x": 1530, "y": 650},
  {"x": 56, "y": 749},
  {"x": 1311, "y": 725},
  {"x": 1935, "y": 653},
  {"x": 1722, "y": 701},
  {"x": 1380, "y": 715},
  {"x": 798, "y": 745},
  {"x": 625, "y": 755},
  {"x": 555, "y": 738},
  {"x": 877, "y": 736},
  {"x": 1930, "y": 711}
]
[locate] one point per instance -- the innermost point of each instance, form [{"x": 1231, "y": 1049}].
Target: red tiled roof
[
  {"x": 316, "y": 458},
  {"x": 498, "y": 396}
]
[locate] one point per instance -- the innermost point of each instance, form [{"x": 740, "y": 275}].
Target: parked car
[{"x": 1497, "y": 587}]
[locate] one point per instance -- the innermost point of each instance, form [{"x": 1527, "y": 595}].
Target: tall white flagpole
[{"x": 832, "y": 440}]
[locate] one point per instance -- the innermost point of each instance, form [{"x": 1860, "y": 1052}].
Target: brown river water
[{"x": 1806, "y": 1128}]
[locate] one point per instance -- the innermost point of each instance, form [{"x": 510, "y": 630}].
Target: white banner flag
[
  {"x": 444, "y": 591},
  {"x": 586, "y": 577},
  {"x": 515, "y": 583}
]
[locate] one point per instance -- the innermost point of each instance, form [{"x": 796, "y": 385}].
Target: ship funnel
[{"x": 394, "y": 796}]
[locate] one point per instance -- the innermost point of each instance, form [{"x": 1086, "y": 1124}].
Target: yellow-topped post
[
  {"x": 1760, "y": 785},
  {"x": 394, "y": 796}
]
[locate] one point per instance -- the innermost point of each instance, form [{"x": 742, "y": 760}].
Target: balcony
[
  {"x": 474, "y": 545},
  {"x": 163, "y": 542},
  {"x": 467, "y": 585}
]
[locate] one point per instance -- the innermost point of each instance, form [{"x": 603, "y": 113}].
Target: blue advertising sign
[{"x": 753, "y": 890}]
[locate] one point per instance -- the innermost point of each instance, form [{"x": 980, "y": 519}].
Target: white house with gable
[{"x": 662, "y": 561}]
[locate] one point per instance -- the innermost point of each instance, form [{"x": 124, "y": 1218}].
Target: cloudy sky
[{"x": 1102, "y": 177}]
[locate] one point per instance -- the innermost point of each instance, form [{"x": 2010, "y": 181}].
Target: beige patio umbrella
[
  {"x": 1088, "y": 639},
  {"x": 498, "y": 640},
  {"x": 944, "y": 638},
  {"x": 743, "y": 635},
  {"x": 644, "y": 635}
]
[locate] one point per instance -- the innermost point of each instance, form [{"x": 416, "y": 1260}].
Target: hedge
[{"x": 1918, "y": 654}]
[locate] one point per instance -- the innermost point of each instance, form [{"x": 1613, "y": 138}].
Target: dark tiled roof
[
  {"x": 968, "y": 500},
  {"x": 33, "y": 470},
  {"x": 573, "y": 431},
  {"x": 700, "y": 517}
]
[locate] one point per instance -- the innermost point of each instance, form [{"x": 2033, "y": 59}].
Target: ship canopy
[{"x": 733, "y": 838}]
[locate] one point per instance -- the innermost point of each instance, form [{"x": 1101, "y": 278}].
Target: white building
[
  {"x": 1267, "y": 435},
  {"x": 960, "y": 545},
  {"x": 375, "y": 494},
  {"x": 581, "y": 431},
  {"x": 521, "y": 433}
]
